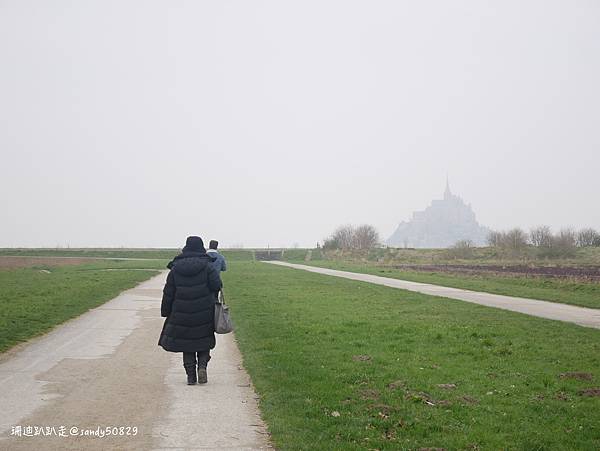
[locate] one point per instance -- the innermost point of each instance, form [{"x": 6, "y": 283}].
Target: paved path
[
  {"x": 552, "y": 310},
  {"x": 105, "y": 368}
]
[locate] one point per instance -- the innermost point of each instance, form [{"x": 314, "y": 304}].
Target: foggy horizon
[{"x": 265, "y": 123}]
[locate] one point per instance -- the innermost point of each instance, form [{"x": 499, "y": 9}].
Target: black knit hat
[{"x": 194, "y": 244}]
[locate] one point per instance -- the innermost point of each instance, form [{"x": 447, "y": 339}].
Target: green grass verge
[
  {"x": 584, "y": 294},
  {"x": 33, "y": 301},
  {"x": 301, "y": 334}
]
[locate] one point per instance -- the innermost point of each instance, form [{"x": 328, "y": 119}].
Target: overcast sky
[{"x": 136, "y": 123}]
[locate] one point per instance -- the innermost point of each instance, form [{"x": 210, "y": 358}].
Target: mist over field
[{"x": 136, "y": 123}]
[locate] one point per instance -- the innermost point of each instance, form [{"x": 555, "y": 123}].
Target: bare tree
[
  {"x": 342, "y": 238},
  {"x": 541, "y": 236},
  {"x": 514, "y": 239},
  {"x": 464, "y": 244},
  {"x": 345, "y": 236},
  {"x": 566, "y": 238},
  {"x": 329, "y": 243},
  {"x": 563, "y": 244},
  {"x": 365, "y": 237},
  {"x": 349, "y": 237},
  {"x": 588, "y": 237},
  {"x": 462, "y": 249},
  {"x": 494, "y": 238}
]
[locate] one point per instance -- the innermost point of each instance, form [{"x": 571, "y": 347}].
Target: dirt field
[{"x": 28, "y": 262}]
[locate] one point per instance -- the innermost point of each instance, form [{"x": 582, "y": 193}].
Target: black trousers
[{"x": 189, "y": 359}]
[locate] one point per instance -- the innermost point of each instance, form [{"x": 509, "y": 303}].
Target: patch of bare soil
[
  {"x": 369, "y": 393},
  {"x": 8, "y": 262},
  {"x": 383, "y": 410},
  {"x": 361, "y": 358},
  {"x": 396, "y": 384},
  {"x": 591, "y": 392},
  {"x": 577, "y": 375},
  {"x": 425, "y": 398},
  {"x": 562, "y": 396},
  {"x": 466, "y": 399}
]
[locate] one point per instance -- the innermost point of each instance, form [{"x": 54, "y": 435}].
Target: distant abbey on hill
[{"x": 442, "y": 224}]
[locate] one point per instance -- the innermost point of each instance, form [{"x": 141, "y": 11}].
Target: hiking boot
[
  {"x": 202, "y": 377},
  {"x": 191, "y": 377}
]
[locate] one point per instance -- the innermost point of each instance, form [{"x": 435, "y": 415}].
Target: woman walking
[{"x": 188, "y": 303}]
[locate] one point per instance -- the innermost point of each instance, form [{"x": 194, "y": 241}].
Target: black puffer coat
[{"x": 188, "y": 303}]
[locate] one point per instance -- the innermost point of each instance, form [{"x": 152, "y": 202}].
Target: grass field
[
  {"x": 51, "y": 290},
  {"x": 341, "y": 364},
  {"x": 89, "y": 252},
  {"x": 231, "y": 254},
  {"x": 33, "y": 300},
  {"x": 585, "y": 294}
]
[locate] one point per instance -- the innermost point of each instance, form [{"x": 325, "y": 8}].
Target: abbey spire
[{"x": 447, "y": 192}]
